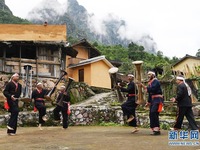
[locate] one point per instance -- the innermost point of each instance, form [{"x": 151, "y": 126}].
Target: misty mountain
[{"x": 81, "y": 24}]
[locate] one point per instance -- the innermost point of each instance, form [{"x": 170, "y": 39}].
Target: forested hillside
[{"x": 6, "y": 16}]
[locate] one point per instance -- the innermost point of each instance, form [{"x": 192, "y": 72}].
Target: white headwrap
[
  {"x": 39, "y": 83},
  {"x": 14, "y": 75},
  {"x": 131, "y": 75},
  {"x": 151, "y": 72},
  {"x": 180, "y": 78},
  {"x": 62, "y": 87},
  {"x": 188, "y": 87}
]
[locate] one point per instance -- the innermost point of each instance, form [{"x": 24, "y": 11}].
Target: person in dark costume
[
  {"x": 12, "y": 92},
  {"x": 184, "y": 105},
  {"x": 155, "y": 101},
  {"x": 62, "y": 101},
  {"x": 130, "y": 105},
  {"x": 39, "y": 103}
]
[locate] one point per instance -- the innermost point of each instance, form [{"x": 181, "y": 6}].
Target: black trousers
[
  {"x": 128, "y": 109},
  {"x": 185, "y": 111},
  {"x": 14, "y": 110},
  {"x": 154, "y": 116},
  {"x": 63, "y": 111},
  {"x": 42, "y": 110}
]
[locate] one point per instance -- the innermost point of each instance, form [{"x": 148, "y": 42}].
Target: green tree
[
  {"x": 159, "y": 53},
  {"x": 127, "y": 66},
  {"x": 135, "y": 52},
  {"x": 174, "y": 60},
  {"x": 7, "y": 18},
  {"x": 198, "y": 53},
  {"x": 95, "y": 44},
  {"x": 116, "y": 52}
]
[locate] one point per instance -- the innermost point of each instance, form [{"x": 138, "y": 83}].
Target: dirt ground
[{"x": 86, "y": 138}]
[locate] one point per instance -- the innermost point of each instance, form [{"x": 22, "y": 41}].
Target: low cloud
[{"x": 56, "y": 7}]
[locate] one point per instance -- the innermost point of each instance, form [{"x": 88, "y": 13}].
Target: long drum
[
  {"x": 48, "y": 96},
  {"x": 138, "y": 64},
  {"x": 113, "y": 72},
  {"x": 60, "y": 103}
]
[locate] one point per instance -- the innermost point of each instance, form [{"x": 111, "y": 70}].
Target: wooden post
[
  {"x": 36, "y": 63},
  {"x": 4, "y": 59},
  {"x": 20, "y": 57},
  {"x": 60, "y": 60}
]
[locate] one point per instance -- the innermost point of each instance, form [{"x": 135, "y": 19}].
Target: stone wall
[
  {"x": 94, "y": 115},
  {"x": 79, "y": 116}
]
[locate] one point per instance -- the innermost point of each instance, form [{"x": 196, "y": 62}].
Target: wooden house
[
  {"x": 44, "y": 47},
  {"x": 187, "y": 66},
  {"x": 89, "y": 66}
]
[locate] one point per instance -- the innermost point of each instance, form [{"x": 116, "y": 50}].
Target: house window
[
  {"x": 13, "y": 52},
  {"x": 1, "y": 60},
  {"x": 28, "y": 52},
  {"x": 1, "y": 53},
  {"x": 81, "y": 75}
]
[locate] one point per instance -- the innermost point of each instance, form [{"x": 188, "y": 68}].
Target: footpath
[{"x": 86, "y": 138}]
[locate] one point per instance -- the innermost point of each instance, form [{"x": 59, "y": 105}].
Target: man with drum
[
  {"x": 155, "y": 101},
  {"x": 130, "y": 105},
  {"x": 62, "y": 101}
]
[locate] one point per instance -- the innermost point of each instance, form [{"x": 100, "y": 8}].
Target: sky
[{"x": 173, "y": 24}]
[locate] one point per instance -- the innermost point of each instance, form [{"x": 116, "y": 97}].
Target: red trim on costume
[
  {"x": 156, "y": 96},
  {"x": 16, "y": 84},
  {"x": 149, "y": 83},
  {"x": 131, "y": 94},
  {"x": 39, "y": 91},
  {"x": 40, "y": 99}
]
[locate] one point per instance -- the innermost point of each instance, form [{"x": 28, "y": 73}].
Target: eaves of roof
[
  {"x": 186, "y": 57},
  {"x": 90, "y": 61},
  {"x": 85, "y": 43}
]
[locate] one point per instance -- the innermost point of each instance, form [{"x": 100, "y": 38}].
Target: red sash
[
  {"x": 160, "y": 107},
  {"x": 6, "y": 106},
  {"x": 68, "y": 110}
]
